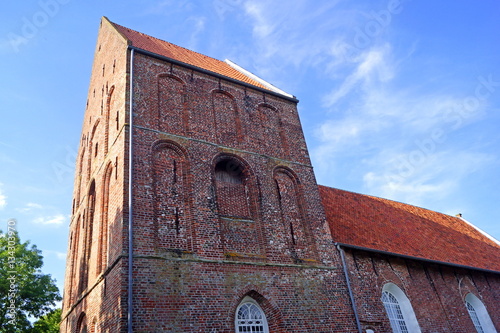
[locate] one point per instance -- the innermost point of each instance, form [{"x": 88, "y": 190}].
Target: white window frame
[
  {"x": 241, "y": 323},
  {"x": 478, "y": 314},
  {"x": 406, "y": 322}
]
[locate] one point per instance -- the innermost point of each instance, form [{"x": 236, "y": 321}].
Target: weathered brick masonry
[
  {"x": 436, "y": 292},
  {"x": 436, "y": 260},
  {"x": 226, "y": 211},
  {"x": 225, "y": 206}
]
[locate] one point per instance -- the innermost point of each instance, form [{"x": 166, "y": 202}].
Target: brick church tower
[{"x": 195, "y": 207}]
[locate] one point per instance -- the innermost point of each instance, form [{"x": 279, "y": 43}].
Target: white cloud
[
  {"x": 55, "y": 220},
  {"x": 29, "y": 207},
  {"x": 262, "y": 28},
  {"x": 398, "y": 133},
  {"x": 343, "y": 133},
  {"x": 380, "y": 111},
  {"x": 300, "y": 36},
  {"x": 3, "y": 198},
  {"x": 369, "y": 112},
  {"x": 414, "y": 176},
  {"x": 198, "y": 27},
  {"x": 373, "y": 65}
]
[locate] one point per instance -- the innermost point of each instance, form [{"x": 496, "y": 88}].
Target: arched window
[
  {"x": 478, "y": 314},
  {"x": 235, "y": 191},
  {"x": 394, "y": 312},
  {"x": 399, "y": 310},
  {"x": 232, "y": 191},
  {"x": 250, "y": 317}
]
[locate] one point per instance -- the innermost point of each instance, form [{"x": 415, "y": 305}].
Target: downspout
[
  {"x": 342, "y": 256},
  {"x": 130, "y": 197}
]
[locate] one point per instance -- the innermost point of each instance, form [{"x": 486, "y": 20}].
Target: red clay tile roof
[
  {"x": 172, "y": 51},
  {"x": 390, "y": 226}
]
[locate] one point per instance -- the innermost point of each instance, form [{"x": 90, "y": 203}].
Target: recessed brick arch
[
  {"x": 81, "y": 323},
  {"x": 162, "y": 144},
  {"x": 91, "y": 149},
  {"x": 272, "y": 135},
  {"x": 88, "y": 225},
  {"x": 291, "y": 203},
  {"x": 236, "y": 192},
  {"x": 172, "y": 109},
  {"x": 226, "y": 117},
  {"x": 80, "y": 176},
  {"x": 103, "y": 246},
  {"x": 107, "y": 115},
  {"x": 172, "y": 203}
]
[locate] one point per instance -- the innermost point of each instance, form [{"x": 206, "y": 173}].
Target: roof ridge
[
  {"x": 391, "y": 200},
  {"x": 484, "y": 233},
  {"x": 157, "y": 47},
  {"x": 164, "y": 41}
]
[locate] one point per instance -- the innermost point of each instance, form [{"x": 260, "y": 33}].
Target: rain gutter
[
  {"x": 205, "y": 71},
  {"x": 346, "y": 273},
  {"x": 130, "y": 189},
  {"x": 355, "y": 247}
]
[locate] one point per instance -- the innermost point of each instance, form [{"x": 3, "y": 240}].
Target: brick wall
[
  {"x": 94, "y": 269},
  {"x": 226, "y": 205},
  {"x": 203, "y": 239},
  {"x": 436, "y": 292}
]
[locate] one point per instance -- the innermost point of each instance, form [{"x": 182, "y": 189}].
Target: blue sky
[{"x": 398, "y": 99}]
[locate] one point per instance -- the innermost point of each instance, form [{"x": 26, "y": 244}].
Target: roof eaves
[
  {"x": 356, "y": 247},
  {"x": 258, "y": 79},
  {"x": 484, "y": 233},
  {"x": 206, "y": 71}
]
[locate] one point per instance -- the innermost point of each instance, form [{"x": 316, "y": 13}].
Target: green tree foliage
[
  {"x": 25, "y": 292},
  {"x": 48, "y": 323}
]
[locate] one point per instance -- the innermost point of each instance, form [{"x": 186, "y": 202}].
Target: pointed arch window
[
  {"x": 479, "y": 314},
  {"x": 474, "y": 317},
  {"x": 394, "y": 312},
  {"x": 399, "y": 310},
  {"x": 250, "y": 317}
]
